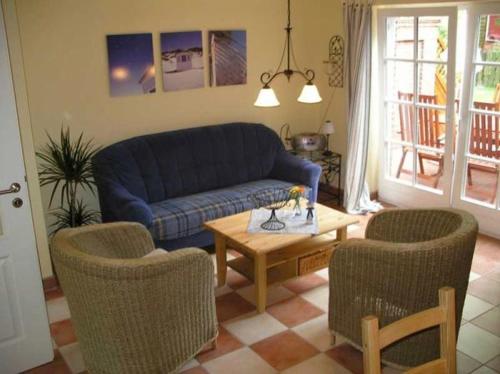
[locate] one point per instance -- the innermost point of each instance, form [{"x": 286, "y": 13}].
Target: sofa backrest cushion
[{"x": 159, "y": 166}]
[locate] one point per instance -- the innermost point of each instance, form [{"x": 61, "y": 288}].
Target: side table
[{"x": 331, "y": 166}]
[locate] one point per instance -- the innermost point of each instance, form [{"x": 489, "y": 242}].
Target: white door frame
[
  {"x": 390, "y": 189},
  {"x": 488, "y": 217}
]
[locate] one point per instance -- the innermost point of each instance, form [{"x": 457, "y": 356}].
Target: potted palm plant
[{"x": 66, "y": 166}]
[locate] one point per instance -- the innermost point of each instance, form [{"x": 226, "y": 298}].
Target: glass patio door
[
  {"x": 477, "y": 184},
  {"x": 417, "y": 104}
]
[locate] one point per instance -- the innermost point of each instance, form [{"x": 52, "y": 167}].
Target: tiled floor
[{"x": 292, "y": 335}]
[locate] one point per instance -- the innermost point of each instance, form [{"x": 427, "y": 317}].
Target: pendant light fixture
[{"x": 309, "y": 94}]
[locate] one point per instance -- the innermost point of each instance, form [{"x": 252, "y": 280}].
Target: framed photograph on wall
[
  {"x": 182, "y": 60},
  {"x": 228, "y": 57},
  {"x": 131, "y": 64}
]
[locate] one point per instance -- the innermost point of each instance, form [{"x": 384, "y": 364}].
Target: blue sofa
[{"x": 174, "y": 181}]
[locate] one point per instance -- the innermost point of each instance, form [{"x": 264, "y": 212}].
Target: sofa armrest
[
  {"x": 124, "y": 206},
  {"x": 296, "y": 170}
]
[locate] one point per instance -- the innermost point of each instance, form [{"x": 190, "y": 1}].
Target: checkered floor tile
[{"x": 292, "y": 335}]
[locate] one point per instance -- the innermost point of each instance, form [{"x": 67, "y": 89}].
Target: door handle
[{"x": 14, "y": 187}]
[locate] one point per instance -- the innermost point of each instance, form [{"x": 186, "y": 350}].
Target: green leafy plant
[{"x": 66, "y": 166}]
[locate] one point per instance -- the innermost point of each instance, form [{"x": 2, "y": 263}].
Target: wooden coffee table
[{"x": 273, "y": 258}]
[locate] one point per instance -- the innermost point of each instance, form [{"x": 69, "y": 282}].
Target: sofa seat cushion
[{"x": 183, "y": 216}]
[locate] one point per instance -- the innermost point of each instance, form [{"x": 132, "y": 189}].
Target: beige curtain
[{"x": 357, "y": 31}]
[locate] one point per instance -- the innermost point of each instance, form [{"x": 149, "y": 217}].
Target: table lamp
[{"x": 328, "y": 128}]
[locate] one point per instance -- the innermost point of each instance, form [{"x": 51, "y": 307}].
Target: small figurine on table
[{"x": 310, "y": 214}]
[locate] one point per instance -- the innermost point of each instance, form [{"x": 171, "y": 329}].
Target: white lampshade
[
  {"x": 266, "y": 98},
  {"x": 328, "y": 128},
  {"x": 309, "y": 94}
]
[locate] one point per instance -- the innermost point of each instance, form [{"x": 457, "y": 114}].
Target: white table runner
[{"x": 293, "y": 224}]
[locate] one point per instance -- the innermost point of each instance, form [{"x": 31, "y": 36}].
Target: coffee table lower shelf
[{"x": 312, "y": 259}]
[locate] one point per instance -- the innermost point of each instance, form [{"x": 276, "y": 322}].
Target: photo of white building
[{"x": 182, "y": 60}]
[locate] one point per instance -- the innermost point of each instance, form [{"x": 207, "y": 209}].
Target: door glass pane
[
  {"x": 486, "y": 90},
  {"x": 399, "y": 122},
  {"x": 481, "y": 183},
  {"x": 397, "y": 88},
  {"x": 400, "y": 36},
  {"x": 430, "y": 168},
  {"x": 432, "y": 84},
  {"x": 401, "y": 162},
  {"x": 433, "y": 38},
  {"x": 431, "y": 127},
  {"x": 489, "y": 38}
]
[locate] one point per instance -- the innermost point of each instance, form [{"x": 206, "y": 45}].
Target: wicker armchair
[
  {"x": 408, "y": 254},
  {"x": 134, "y": 314}
]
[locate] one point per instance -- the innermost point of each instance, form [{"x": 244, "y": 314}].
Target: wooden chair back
[
  {"x": 485, "y": 132},
  {"x": 375, "y": 339},
  {"x": 428, "y": 119}
]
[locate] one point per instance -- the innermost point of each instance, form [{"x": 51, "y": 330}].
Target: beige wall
[
  {"x": 65, "y": 60},
  {"x": 17, "y": 66}
]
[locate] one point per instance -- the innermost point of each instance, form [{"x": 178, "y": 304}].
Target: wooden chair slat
[
  {"x": 375, "y": 339},
  {"x": 410, "y": 325}
]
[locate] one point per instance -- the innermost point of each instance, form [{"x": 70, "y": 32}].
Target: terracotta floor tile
[
  {"x": 486, "y": 289},
  {"x": 347, "y": 356},
  {"x": 488, "y": 247},
  {"x": 284, "y": 350},
  {"x": 225, "y": 344},
  {"x": 482, "y": 264},
  {"x": 236, "y": 280},
  {"x": 275, "y": 294},
  {"x": 305, "y": 283},
  {"x": 63, "y": 332},
  {"x": 53, "y": 294},
  {"x": 231, "y": 305},
  {"x": 293, "y": 312},
  {"x": 57, "y": 366}
]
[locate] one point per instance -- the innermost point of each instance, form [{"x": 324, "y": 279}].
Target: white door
[
  {"x": 477, "y": 184},
  {"x": 24, "y": 329},
  {"x": 416, "y": 48}
]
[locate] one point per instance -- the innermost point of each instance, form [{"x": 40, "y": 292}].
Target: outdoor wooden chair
[
  {"x": 375, "y": 339},
  {"x": 485, "y": 141},
  {"x": 428, "y": 132}
]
